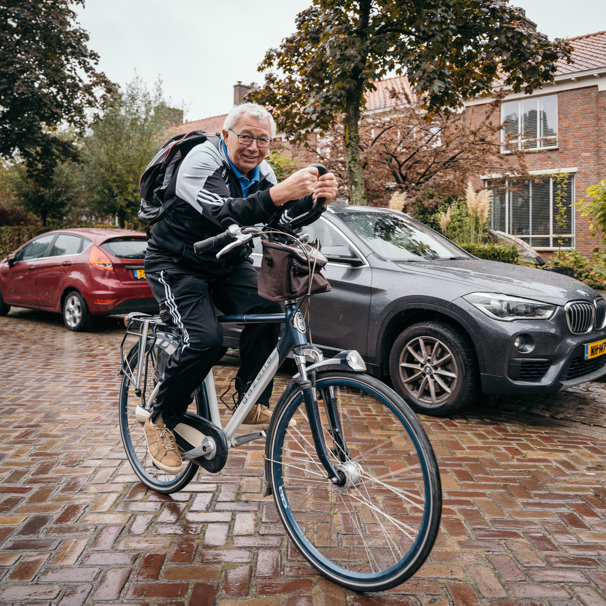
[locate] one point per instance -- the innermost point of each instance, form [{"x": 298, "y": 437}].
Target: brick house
[{"x": 562, "y": 127}]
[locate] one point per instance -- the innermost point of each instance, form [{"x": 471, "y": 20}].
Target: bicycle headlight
[
  {"x": 506, "y": 308},
  {"x": 355, "y": 361}
]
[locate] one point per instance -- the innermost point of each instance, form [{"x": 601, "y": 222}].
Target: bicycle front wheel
[
  {"x": 133, "y": 416},
  {"x": 377, "y": 530}
]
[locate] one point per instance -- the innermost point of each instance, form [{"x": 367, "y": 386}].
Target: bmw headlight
[{"x": 506, "y": 308}]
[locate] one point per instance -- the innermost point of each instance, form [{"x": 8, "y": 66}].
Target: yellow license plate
[
  {"x": 139, "y": 273},
  {"x": 593, "y": 350}
]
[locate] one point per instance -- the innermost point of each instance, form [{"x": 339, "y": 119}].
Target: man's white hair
[{"x": 252, "y": 109}]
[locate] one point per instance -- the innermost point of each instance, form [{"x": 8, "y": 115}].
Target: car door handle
[
  {"x": 31, "y": 268},
  {"x": 66, "y": 263}
]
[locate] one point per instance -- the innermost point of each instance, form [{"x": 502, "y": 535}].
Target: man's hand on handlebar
[
  {"x": 326, "y": 187},
  {"x": 303, "y": 183}
]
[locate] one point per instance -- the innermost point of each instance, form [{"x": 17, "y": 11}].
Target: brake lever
[{"x": 240, "y": 239}]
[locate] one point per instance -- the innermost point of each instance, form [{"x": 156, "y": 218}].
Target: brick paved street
[{"x": 524, "y": 481}]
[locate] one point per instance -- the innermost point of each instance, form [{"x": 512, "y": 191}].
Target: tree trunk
[
  {"x": 121, "y": 217},
  {"x": 357, "y": 191}
]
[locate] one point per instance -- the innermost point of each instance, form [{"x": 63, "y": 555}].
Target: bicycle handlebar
[{"x": 221, "y": 240}]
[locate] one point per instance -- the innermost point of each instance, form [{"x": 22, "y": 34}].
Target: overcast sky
[{"x": 200, "y": 48}]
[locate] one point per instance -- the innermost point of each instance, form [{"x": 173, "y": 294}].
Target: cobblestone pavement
[{"x": 524, "y": 481}]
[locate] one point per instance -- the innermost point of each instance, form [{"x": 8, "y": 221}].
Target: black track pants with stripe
[{"x": 191, "y": 301}]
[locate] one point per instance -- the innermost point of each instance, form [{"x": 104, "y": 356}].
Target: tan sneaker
[
  {"x": 162, "y": 447},
  {"x": 258, "y": 418}
]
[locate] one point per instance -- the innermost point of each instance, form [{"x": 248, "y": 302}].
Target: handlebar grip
[
  {"x": 221, "y": 240},
  {"x": 319, "y": 203},
  {"x": 316, "y": 208},
  {"x": 320, "y": 168}
]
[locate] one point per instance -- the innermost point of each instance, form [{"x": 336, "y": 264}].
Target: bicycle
[{"x": 355, "y": 481}]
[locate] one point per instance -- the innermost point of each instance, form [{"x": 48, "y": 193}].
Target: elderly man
[{"x": 222, "y": 181}]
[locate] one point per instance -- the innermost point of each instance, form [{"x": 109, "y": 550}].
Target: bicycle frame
[{"x": 293, "y": 338}]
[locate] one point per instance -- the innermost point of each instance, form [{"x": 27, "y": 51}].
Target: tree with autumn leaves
[
  {"x": 48, "y": 79},
  {"x": 449, "y": 50},
  {"x": 400, "y": 151}
]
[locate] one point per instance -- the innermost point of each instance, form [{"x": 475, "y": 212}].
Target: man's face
[{"x": 246, "y": 157}]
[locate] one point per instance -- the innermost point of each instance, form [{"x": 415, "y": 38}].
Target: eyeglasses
[{"x": 247, "y": 140}]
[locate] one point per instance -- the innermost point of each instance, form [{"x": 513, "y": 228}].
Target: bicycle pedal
[
  {"x": 142, "y": 414},
  {"x": 247, "y": 437}
]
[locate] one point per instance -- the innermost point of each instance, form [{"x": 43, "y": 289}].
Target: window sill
[
  {"x": 532, "y": 151},
  {"x": 551, "y": 249}
]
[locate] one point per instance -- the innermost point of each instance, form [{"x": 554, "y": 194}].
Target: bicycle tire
[
  {"x": 131, "y": 429},
  {"x": 376, "y": 532}
]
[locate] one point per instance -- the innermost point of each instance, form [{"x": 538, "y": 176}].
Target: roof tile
[
  {"x": 383, "y": 97},
  {"x": 589, "y": 52},
  {"x": 209, "y": 125}
]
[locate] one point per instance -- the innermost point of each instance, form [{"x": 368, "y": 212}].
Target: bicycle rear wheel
[
  {"x": 377, "y": 530},
  {"x": 133, "y": 415}
]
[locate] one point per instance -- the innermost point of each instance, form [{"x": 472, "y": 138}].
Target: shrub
[
  {"x": 454, "y": 220},
  {"x": 595, "y": 208},
  {"x": 13, "y": 236},
  {"x": 590, "y": 271},
  {"x": 505, "y": 253},
  {"x": 13, "y": 215}
]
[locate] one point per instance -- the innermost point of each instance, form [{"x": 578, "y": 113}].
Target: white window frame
[
  {"x": 553, "y": 236},
  {"x": 521, "y": 140}
]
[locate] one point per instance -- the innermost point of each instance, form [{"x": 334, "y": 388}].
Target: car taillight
[{"x": 100, "y": 260}]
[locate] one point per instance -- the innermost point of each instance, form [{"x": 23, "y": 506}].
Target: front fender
[{"x": 347, "y": 360}]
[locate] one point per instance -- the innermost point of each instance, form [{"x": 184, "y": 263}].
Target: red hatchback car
[{"x": 80, "y": 273}]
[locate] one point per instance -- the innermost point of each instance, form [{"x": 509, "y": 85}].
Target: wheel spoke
[
  {"x": 409, "y": 365},
  {"x": 371, "y": 559},
  {"x": 444, "y": 373},
  {"x": 422, "y": 386},
  {"x": 296, "y": 467},
  {"x": 437, "y": 346},
  {"x": 423, "y": 350},
  {"x": 443, "y": 360},
  {"x": 406, "y": 496},
  {"x": 432, "y": 389},
  {"x": 414, "y": 354},
  {"x": 413, "y": 377},
  {"x": 373, "y": 508},
  {"x": 442, "y": 384},
  {"x": 388, "y": 540}
]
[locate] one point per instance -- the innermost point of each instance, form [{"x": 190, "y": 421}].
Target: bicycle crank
[{"x": 202, "y": 442}]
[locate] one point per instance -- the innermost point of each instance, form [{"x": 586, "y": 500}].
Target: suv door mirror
[
  {"x": 342, "y": 253},
  {"x": 11, "y": 259}
]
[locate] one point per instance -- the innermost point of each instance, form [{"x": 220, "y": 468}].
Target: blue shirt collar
[{"x": 245, "y": 182}]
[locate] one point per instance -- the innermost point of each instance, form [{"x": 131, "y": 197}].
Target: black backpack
[{"x": 158, "y": 183}]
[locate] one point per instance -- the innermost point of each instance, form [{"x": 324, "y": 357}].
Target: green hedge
[
  {"x": 505, "y": 253},
  {"x": 13, "y": 236}
]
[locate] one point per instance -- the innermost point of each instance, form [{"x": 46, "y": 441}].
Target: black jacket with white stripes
[{"x": 209, "y": 200}]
